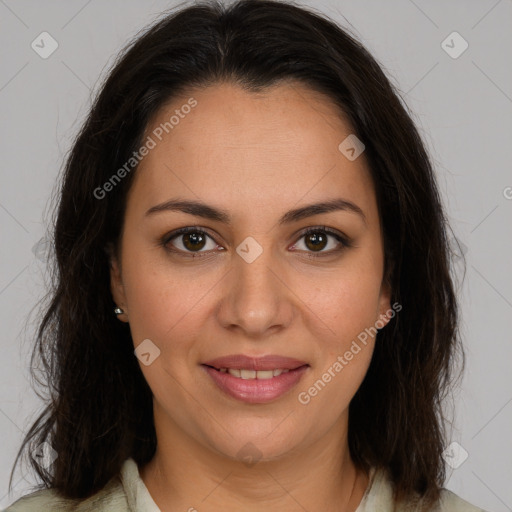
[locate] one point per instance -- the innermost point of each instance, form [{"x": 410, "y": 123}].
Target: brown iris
[
  {"x": 194, "y": 241},
  {"x": 316, "y": 240}
]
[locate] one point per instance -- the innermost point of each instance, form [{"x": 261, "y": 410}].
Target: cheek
[
  {"x": 344, "y": 351},
  {"x": 348, "y": 305},
  {"x": 347, "y": 302},
  {"x": 159, "y": 304},
  {"x": 165, "y": 302}
]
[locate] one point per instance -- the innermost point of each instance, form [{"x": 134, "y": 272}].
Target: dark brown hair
[{"x": 99, "y": 408}]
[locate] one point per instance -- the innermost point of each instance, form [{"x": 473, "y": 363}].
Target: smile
[
  {"x": 253, "y": 374},
  {"x": 255, "y": 386}
]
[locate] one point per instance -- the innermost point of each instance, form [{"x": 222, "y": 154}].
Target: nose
[{"x": 255, "y": 298}]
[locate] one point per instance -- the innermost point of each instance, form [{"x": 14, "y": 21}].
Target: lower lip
[{"x": 256, "y": 391}]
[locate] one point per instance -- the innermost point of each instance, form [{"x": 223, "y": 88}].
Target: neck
[{"x": 187, "y": 475}]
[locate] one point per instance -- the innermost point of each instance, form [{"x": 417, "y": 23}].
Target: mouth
[
  {"x": 246, "y": 374},
  {"x": 255, "y": 380},
  {"x": 263, "y": 363}
]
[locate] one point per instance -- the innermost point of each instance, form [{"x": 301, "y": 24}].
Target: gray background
[{"x": 463, "y": 108}]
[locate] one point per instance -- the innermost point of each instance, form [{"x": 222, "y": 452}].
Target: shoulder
[
  {"x": 111, "y": 498},
  {"x": 45, "y": 499},
  {"x": 450, "y": 502},
  {"x": 379, "y": 497}
]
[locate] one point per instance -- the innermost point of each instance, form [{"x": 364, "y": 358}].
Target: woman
[{"x": 253, "y": 308}]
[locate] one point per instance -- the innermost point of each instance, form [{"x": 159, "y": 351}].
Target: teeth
[{"x": 253, "y": 374}]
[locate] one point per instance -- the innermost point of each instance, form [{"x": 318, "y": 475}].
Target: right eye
[{"x": 189, "y": 240}]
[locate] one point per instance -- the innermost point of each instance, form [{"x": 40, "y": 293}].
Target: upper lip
[{"x": 269, "y": 362}]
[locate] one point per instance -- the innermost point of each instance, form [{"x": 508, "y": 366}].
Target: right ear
[{"x": 116, "y": 282}]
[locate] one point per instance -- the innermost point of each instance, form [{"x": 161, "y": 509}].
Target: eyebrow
[{"x": 209, "y": 212}]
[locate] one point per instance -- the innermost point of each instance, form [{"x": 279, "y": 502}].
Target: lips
[
  {"x": 255, "y": 380},
  {"x": 269, "y": 362},
  {"x": 255, "y": 391}
]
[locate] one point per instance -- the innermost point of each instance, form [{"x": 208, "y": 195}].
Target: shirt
[{"x": 128, "y": 493}]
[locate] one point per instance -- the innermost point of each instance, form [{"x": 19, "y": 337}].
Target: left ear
[
  {"x": 384, "y": 308},
  {"x": 384, "y": 305}
]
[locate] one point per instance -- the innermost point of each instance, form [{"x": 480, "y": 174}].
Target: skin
[{"x": 256, "y": 156}]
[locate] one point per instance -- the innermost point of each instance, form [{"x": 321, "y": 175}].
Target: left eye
[{"x": 316, "y": 240}]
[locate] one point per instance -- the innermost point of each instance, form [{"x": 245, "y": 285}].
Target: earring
[{"x": 118, "y": 311}]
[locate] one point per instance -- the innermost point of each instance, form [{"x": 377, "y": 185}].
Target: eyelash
[{"x": 344, "y": 241}]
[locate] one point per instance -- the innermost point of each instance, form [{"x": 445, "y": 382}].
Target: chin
[{"x": 256, "y": 444}]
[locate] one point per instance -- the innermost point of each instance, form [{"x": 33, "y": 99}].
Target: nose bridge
[{"x": 256, "y": 299}]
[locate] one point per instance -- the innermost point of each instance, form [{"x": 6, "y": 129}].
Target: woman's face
[{"x": 249, "y": 281}]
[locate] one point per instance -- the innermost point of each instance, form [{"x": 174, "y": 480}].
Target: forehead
[
  {"x": 288, "y": 119},
  {"x": 279, "y": 144}
]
